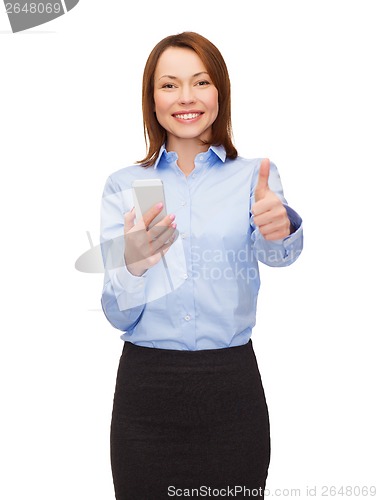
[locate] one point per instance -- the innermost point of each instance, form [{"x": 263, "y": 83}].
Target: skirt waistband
[
  {"x": 154, "y": 356},
  {"x": 223, "y": 350}
]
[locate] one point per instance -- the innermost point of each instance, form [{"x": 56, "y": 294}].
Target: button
[
  {"x": 187, "y": 317},
  {"x": 183, "y": 203},
  {"x": 185, "y": 276},
  {"x": 184, "y": 235},
  {"x": 201, "y": 157},
  {"x": 193, "y": 175}
]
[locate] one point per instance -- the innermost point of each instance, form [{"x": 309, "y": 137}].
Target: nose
[{"x": 187, "y": 95}]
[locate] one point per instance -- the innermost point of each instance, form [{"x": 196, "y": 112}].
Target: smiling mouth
[{"x": 187, "y": 116}]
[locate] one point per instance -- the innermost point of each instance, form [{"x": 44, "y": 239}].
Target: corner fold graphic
[
  {"x": 70, "y": 4},
  {"x": 24, "y": 15}
]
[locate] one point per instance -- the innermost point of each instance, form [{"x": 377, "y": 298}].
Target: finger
[
  {"x": 275, "y": 213},
  {"x": 269, "y": 202},
  {"x": 151, "y": 213},
  {"x": 157, "y": 248},
  {"x": 271, "y": 227},
  {"x": 278, "y": 228},
  {"x": 262, "y": 185},
  {"x": 164, "y": 222},
  {"x": 276, "y": 235},
  {"x": 170, "y": 242},
  {"x": 261, "y": 207},
  {"x": 263, "y": 219},
  {"x": 167, "y": 237},
  {"x": 157, "y": 230},
  {"x": 129, "y": 218}
]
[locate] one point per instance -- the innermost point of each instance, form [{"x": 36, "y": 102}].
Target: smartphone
[{"x": 146, "y": 193}]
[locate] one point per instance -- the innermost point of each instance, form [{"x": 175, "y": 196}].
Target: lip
[{"x": 188, "y": 112}]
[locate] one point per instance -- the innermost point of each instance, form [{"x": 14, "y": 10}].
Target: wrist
[{"x": 134, "y": 269}]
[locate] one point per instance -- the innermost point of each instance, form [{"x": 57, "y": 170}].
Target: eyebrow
[{"x": 175, "y": 77}]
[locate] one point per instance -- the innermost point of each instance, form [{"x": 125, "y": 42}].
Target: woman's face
[{"x": 186, "y": 100}]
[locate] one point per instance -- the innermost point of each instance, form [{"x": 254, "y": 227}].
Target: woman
[{"x": 189, "y": 413}]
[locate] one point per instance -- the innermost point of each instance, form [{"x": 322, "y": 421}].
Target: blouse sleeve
[{"x": 123, "y": 294}]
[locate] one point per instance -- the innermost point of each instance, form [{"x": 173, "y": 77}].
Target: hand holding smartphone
[{"x": 150, "y": 238}]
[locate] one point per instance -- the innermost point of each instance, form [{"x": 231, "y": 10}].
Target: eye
[
  {"x": 168, "y": 86},
  {"x": 203, "y": 83}
]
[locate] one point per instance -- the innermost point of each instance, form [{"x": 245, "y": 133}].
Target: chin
[{"x": 200, "y": 135}]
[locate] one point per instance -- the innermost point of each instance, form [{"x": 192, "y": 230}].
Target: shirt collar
[{"x": 170, "y": 156}]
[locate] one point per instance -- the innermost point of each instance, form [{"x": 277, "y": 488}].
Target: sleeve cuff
[
  {"x": 129, "y": 290},
  {"x": 294, "y": 218},
  {"x": 284, "y": 251}
]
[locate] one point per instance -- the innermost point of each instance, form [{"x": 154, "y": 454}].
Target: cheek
[
  {"x": 162, "y": 102},
  {"x": 213, "y": 102},
  {"x": 156, "y": 103}
]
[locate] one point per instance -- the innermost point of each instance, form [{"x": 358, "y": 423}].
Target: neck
[{"x": 187, "y": 150}]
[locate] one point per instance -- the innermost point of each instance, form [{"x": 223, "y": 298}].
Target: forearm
[
  {"x": 123, "y": 298},
  {"x": 122, "y": 318}
]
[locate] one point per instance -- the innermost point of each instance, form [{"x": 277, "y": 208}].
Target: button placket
[{"x": 187, "y": 308}]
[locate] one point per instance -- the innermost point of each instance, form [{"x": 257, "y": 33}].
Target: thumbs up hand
[{"x": 270, "y": 216}]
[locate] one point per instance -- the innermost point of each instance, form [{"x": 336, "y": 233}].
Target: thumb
[
  {"x": 129, "y": 220},
  {"x": 262, "y": 185}
]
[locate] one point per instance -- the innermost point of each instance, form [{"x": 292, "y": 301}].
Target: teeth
[{"x": 188, "y": 116}]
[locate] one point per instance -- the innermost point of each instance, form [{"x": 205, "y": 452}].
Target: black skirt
[{"x": 189, "y": 420}]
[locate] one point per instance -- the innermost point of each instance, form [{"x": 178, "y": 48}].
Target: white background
[{"x": 304, "y": 93}]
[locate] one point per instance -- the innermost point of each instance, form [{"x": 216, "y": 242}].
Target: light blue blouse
[{"x": 206, "y": 296}]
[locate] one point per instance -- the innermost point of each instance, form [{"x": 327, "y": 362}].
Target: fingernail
[
  {"x": 172, "y": 217},
  {"x": 174, "y": 225},
  {"x": 159, "y": 205},
  {"x": 132, "y": 210}
]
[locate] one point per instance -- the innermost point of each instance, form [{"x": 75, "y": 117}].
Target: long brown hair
[{"x": 154, "y": 133}]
